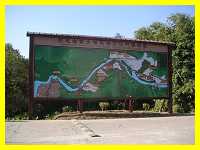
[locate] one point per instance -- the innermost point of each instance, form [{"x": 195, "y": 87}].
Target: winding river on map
[{"x": 142, "y": 69}]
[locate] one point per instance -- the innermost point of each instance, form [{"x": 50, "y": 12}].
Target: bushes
[
  {"x": 160, "y": 105},
  {"x": 117, "y": 105},
  {"x": 178, "y": 109},
  {"x": 67, "y": 109},
  {"x": 38, "y": 111},
  {"x": 146, "y": 106},
  {"x": 16, "y": 83},
  {"x": 104, "y": 105}
]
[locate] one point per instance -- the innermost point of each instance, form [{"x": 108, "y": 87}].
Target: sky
[{"x": 83, "y": 20}]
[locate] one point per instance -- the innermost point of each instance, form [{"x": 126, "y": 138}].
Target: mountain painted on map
[{"x": 115, "y": 72}]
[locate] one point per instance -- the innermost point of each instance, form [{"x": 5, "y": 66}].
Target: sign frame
[{"x": 95, "y": 42}]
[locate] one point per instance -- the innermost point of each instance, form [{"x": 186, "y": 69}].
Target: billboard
[
  {"x": 77, "y": 68},
  {"x": 89, "y": 73}
]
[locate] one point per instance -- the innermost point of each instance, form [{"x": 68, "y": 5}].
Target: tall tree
[
  {"x": 16, "y": 82},
  {"x": 180, "y": 30}
]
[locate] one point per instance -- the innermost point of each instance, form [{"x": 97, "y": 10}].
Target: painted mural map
[{"x": 98, "y": 73}]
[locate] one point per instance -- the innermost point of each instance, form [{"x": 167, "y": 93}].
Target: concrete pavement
[{"x": 156, "y": 130}]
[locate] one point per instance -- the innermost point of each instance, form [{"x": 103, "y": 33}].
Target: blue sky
[{"x": 84, "y": 20}]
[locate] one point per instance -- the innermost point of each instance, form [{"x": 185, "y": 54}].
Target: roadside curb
[{"x": 115, "y": 114}]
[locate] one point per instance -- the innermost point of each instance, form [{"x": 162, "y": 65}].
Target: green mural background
[{"x": 99, "y": 73}]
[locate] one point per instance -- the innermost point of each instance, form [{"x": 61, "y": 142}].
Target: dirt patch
[{"x": 113, "y": 114}]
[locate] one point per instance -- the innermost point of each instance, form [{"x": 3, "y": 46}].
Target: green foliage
[
  {"x": 16, "y": 83},
  {"x": 21, "y": 116},
  {"x": 38, "y": 112},
  {"x": 121, "y": 106},
  {"x": 178, "y": 109},
  {"x": 146, "y": 106},
  {"x": 51, "y": 115},
  {"x": 156, "y": 31},
  {"x": 180, "y": 30},
  {"x": 67, "y": 109},
  {"x": 160, "y": 105},
  {"x": 117, "y": 105},
  {"x": 104, "y": 105}
]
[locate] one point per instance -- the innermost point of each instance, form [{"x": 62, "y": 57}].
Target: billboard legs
[
  {"x": 130, "y": 105},
  {"x": 170, "y": 100},
  {"x": 80, "y": 106},
  {"x": 30, "y": 110},
  {"x": 169, "y": 105}
]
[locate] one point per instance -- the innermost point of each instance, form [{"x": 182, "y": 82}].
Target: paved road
[{"x": 157, "y": 130}]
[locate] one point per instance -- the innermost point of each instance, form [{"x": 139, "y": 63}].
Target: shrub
[
  {"x": 178, "y": 109},
  {"x": 104, "y": 105},
  {"x": 146, "y": 106},
  {"x": 38, "y": 111},
  {"x": 67, "y": 109},
  {"x": 118, "y": 105},
  {"x": 160, "y": 105}
]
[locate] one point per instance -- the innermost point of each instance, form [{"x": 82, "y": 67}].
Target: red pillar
[
  {"x": 80, "y": 106},
  {"x": 130, "y": 104}
]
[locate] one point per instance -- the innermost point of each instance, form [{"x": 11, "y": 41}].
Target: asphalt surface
[{"x": 157, "y": 130}]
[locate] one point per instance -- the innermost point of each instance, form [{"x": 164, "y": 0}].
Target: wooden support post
[
  {"x": 170, "y": 70},
  {"x": 31, "y": 78},
  {"x": 170, "y": 104},
  {"x": 126, "y": 104},
  {"x": 30, "y": 109},
  {"x": 77, "y": 106},
  {"x": 130, "y": 106},
  {"x": 80, "y": 106}
]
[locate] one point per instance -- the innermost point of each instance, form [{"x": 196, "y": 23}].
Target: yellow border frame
[{"x": 3, "y": 3}]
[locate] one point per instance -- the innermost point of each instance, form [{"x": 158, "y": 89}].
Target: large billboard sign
[
  {"x": 73, "y": 67},
  {"x": 98, "y": 73}
]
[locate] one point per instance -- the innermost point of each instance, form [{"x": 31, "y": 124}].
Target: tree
[
  {"x": 156, "y": 31},
  {"x": 180, "y": 30},
  {"x": 16, "y": 82}
]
